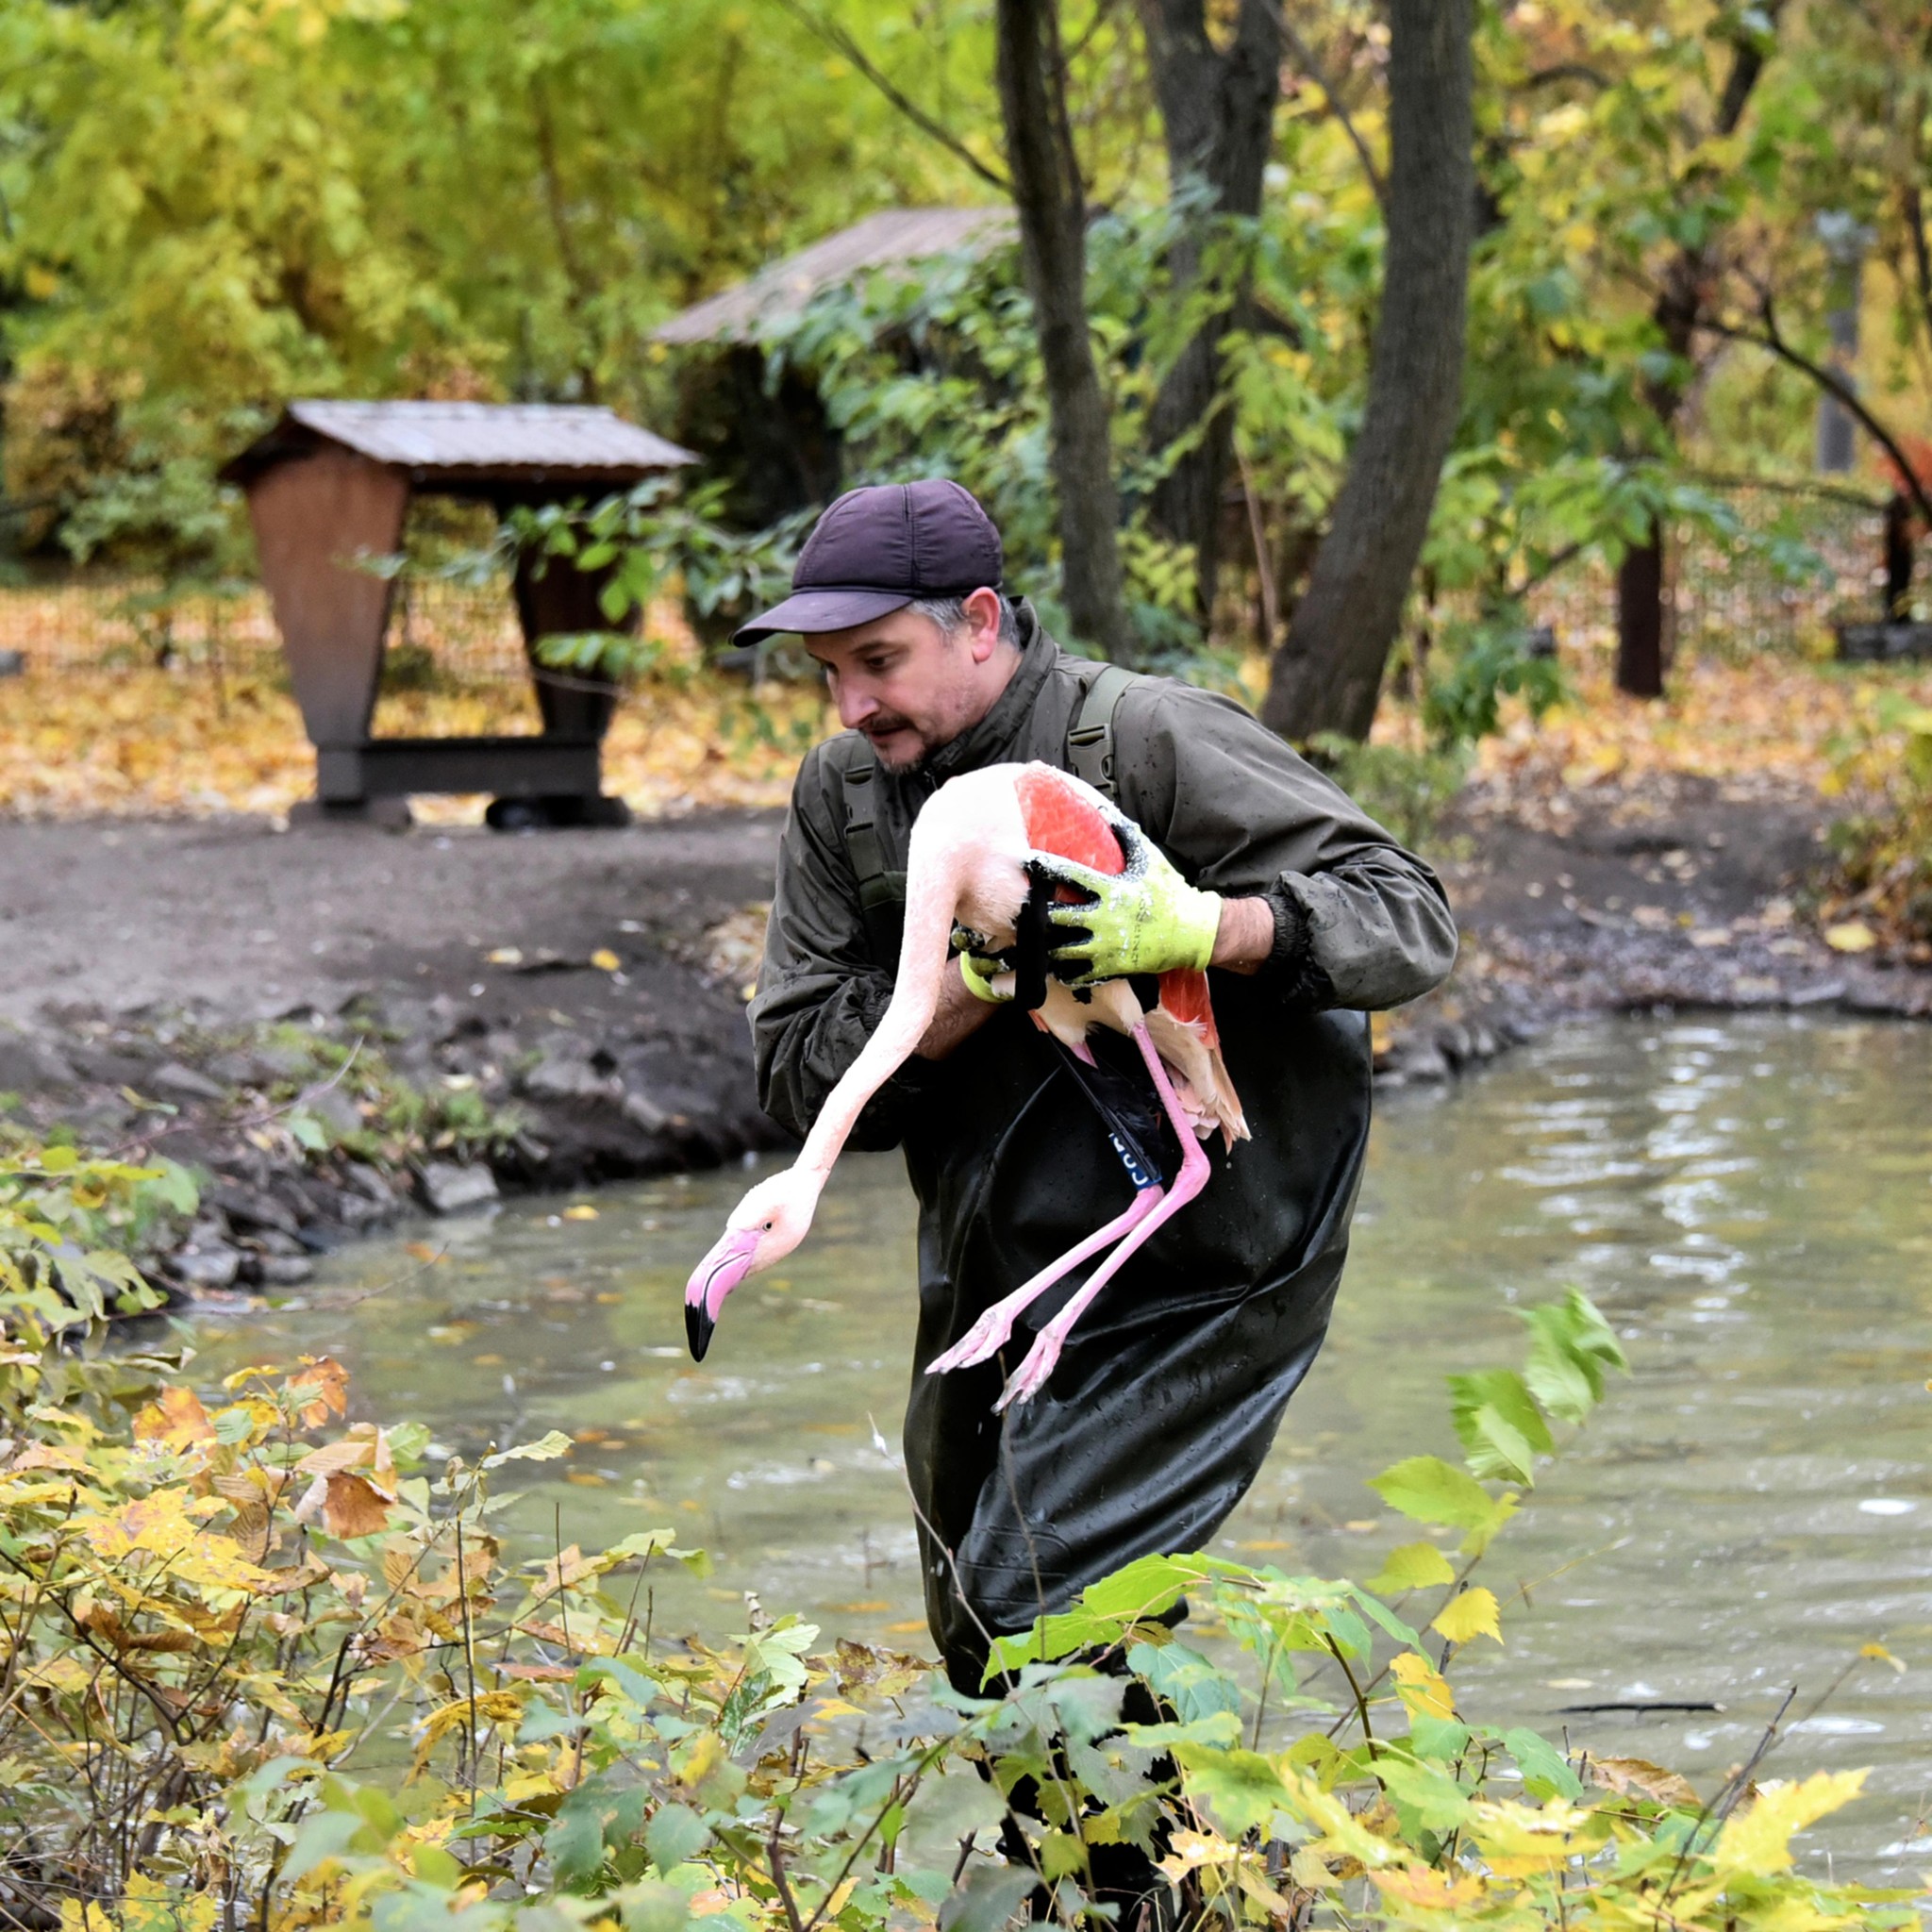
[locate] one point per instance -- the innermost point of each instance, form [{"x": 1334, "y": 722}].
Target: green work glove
[
  {"x": 1146, "y": 918},
  {"x": 977, "y": 967}
]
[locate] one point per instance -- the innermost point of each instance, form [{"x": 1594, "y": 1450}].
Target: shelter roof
[
  {"x": 469, "y": 445},
  {"x": 782, "y": 288}
]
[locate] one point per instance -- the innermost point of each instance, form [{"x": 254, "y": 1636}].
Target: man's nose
[{"x": 856, "y": 703}]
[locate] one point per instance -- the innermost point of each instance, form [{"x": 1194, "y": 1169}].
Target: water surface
[{"x": 1749, "y": 1201}]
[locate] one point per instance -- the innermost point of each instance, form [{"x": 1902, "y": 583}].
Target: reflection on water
[{"x": 1750, "y": 1202}]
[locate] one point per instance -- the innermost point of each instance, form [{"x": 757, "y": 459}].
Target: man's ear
[{"x": 982, "y": 610}]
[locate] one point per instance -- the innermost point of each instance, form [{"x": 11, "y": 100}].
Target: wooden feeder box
[{"x": 328, "y": 489}]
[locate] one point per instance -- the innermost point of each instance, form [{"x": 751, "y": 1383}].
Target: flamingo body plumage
[{"x": 968, "y": 866}]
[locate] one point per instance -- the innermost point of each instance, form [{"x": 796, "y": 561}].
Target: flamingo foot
[
  {"x": 995, "y": 1328},
  {"x": 1030, "y": 1377}
]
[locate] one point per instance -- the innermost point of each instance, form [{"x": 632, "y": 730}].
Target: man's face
[{"x": 907, "y": 684}]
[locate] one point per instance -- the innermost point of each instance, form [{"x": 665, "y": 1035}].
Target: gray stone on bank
[
  {"x": 449, "y": 1189},
  {"x": 183, "y": 1083},
  {"x": 212, "y": 1264}
]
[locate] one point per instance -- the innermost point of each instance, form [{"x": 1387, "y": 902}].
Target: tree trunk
[
  {"x": 1050, "y": 201},
  {"x": 1679, "y": 309},
  {"x": 1328, "y": 673},
  {"x": 1641, "y": 618},
  {"x": 1217, "y": 112}
]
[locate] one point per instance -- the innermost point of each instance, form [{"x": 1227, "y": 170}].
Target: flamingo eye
[{"x": 769, "y": 1225}]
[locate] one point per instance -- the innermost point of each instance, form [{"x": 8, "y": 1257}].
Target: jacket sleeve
[
  {"x": 820, "y": 991},
  {"x": 1359, "y": 922}
]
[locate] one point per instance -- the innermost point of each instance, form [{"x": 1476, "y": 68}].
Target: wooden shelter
[
  {"x": 771, "y": 440},
  {"x": 329, "y": 487}
]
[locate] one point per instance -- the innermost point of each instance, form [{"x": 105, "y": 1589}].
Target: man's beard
[{"x": 883, "y": 724}]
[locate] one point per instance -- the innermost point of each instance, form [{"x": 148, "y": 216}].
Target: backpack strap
[
  {"x": 881, "y": 892},
  {"x": 1090, "y": 739}
]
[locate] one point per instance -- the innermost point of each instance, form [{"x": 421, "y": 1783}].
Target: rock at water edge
[{"x": 450, "y": 1189}]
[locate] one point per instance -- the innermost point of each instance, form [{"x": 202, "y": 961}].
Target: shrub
[
  {"x": 263, "y": 1667},
  {"x": 1884, "y": 848}
]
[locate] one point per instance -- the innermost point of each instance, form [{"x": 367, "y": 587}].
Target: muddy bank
[
  {"x": 1677, "y": 896},
  {"x": 342, "y": 1025}
]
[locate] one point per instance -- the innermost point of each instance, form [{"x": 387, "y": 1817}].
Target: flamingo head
[{"x": 761, "y": 1230}]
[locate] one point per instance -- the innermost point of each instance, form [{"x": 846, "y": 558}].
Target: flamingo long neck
[{"x": 932, "y": 897}]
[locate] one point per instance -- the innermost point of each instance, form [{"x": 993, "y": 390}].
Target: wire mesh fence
[
  {"x": 1812, "y": 559},
  {"x": 88, "y": 623},
  {"x": 1732, "y": 599}
]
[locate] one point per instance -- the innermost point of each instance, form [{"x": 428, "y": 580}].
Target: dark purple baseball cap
[{"x": 878, "y": 548}]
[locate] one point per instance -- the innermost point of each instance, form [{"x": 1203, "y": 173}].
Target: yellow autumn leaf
[
  {"x": 166, "y": 1524},
  {"x": 1434, "y": 1891},
  {"x": 1850, "y": 936},
  {"x": 581, "y": 1211},
  {"x": 1469, "y": 1616},
  {"x": 1759, "y": 1840},
  {"x": 1879, "y": 1653},
  {"x": 1422, "y": 1690},
  {"x": 1520, "y": 1840},
  {"x": 322, "y": 1387},
  {"x": 604, "y": 960}
]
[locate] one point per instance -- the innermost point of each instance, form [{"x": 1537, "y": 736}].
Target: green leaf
[
  {"x": 1544, "y": 1773},
  {"x": 655, "y": 1908},
  {"x": 1241, "y": 1788},
  {"x": 545, "y": 1449},
  {"x": 676, "y": 1834},
  {"x": 1196, "y": 1687},
  {"x": 575, "y": 1844},
  {"x": 1501, "y": 1428},
  {"x": 1437, "y": 1802},
  {"x": 1430, "y": 1490},
  {"x": 990, "y": 1897},
  {"x": 1571, "y": 1347}
]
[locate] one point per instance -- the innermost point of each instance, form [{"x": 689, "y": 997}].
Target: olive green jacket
[{"x": 1362, "y": 923}]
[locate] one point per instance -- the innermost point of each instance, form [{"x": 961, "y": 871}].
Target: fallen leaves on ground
[
  {"x": 1770, "y": 728},
  {"x": 144, "y": 742}
]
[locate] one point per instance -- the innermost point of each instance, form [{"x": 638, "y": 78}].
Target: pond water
[{"x": 1749, "y": 1201}]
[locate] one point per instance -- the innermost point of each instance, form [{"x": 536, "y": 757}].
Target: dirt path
[{"x": 256, "y": 922}]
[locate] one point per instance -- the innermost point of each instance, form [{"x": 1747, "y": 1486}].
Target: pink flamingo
[{"x": 968, "y": 867}]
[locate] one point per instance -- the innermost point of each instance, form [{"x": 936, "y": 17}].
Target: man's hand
[
  {"x": 981, "y": 969},
  {"x": 1145, "y": 919}
]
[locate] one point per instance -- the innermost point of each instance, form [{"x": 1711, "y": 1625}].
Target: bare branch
[
  {"x": 1768, "y": 336},
  {"x": 1310, "y": 65},
  {"x": 1568, "y": 70},
  {"x": 842, "y": 42}
]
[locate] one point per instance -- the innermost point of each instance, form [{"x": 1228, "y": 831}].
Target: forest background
[{"x": 1395, "y": 317}]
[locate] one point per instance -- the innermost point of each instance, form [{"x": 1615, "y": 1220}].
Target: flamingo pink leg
[
  {"x": 991, "y": 1333},
  {"x": 1045, "y": 1353}
]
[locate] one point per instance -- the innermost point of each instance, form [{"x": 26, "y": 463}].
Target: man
[{"x": 1170, "y": 1390}]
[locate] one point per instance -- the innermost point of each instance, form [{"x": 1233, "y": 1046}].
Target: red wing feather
[
  {"x": 1184, "y": 994},
  {"x": 1059, "y": 820}
]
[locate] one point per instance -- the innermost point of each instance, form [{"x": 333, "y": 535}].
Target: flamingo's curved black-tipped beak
[
  {"x": 698, "y": 1329},
  {"x": 711, "y": 1280}
]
